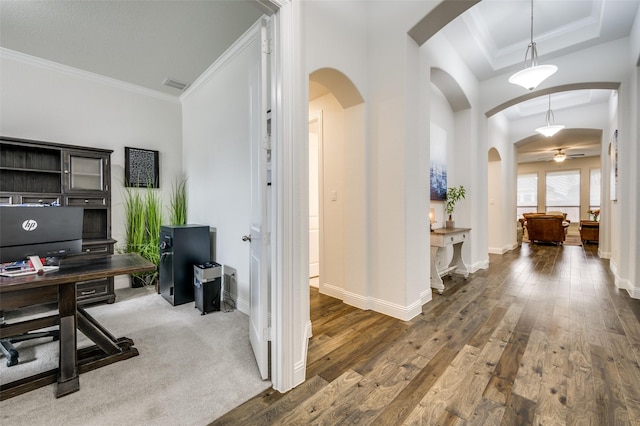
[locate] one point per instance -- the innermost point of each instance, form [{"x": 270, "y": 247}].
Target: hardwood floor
[{"x": 541, "y": 337}]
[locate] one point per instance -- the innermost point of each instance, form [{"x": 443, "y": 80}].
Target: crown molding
[{"x": 86, "y": 75}]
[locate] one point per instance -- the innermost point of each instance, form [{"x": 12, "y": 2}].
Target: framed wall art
[
  {"x": 141, "y": 168},
  {"x": 438, "y": 164}
]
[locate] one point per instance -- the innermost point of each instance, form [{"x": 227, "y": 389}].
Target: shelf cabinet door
[{"x": 86, "y": 172}]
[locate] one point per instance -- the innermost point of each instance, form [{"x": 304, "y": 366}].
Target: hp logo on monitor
[{"x": 29, "y": 225}]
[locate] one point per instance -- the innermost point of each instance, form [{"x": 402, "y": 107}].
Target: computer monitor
[{"x": 45, "y": 231}]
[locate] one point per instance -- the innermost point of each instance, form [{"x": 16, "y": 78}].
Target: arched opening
[
  {"x": 495, "y": 219},
  {"x": 338, "y": 154}
]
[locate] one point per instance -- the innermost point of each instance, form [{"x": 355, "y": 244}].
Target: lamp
[
  {"x": 560, "y": 156},
  {"x": 550, "y": 129},
  {"x": 533, "y": 74},
  {"x": 432, "y": 218}
]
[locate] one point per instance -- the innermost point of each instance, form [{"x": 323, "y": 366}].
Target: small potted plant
[
  {"x": 452, "y": 197},
  {"x": 593, "y": 214}
]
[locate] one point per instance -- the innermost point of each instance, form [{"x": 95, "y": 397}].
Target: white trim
[
  {"x": 86, "y": 75},
  {"x": 502, "y": 250},
  {"x": 290, "y": 259},
  {"x": 604, "y": 254},
  {"x": 404, "y": 313},
  {"x": 234, "y": 50},
  {"x": 623, "y": 283},
  {"x": 426, "y": 295},
  {"x": 300, "y": 367},
  {"x": 318, "y": 116},
  {"x": 241, "y": 304},
  {"x": 481, "y": 264}
]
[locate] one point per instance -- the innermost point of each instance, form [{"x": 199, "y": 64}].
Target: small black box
[{"x": 207, "y": 294}]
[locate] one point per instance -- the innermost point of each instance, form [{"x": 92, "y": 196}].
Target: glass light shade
[
  {"x": 559, "y": 158},
  {"x": 531, "y": 77},
  {"x": 549, "y": 131}
]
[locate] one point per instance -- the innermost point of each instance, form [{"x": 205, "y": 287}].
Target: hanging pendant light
[
  {"x": 533, "y": 74},
  {"x": 550, "y": 129}
]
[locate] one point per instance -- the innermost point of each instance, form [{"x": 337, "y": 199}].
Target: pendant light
[
  {"x": 550, "y": 129},
  {"x": 533, "y": 74}
]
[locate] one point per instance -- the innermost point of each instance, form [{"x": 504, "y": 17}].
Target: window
[
  {"x": 563, "y": 193},
  {"x": 527, "y": 193},
  {"x": 594, "y": 189}
]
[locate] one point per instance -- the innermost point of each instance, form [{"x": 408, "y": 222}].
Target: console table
[
  {"x": 19, "y": 292},
  {"x": 590, "y": 231},
  {"x": 440, "y": 240}
]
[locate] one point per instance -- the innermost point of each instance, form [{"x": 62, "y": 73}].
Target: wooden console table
[
  {"x": 19, "y": 292},
  {"x": 440, "y": 240},
  {"x": 590, "y": 231}
]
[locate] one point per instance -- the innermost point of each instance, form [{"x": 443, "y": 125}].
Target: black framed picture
[{"x": 141, "y": 168}]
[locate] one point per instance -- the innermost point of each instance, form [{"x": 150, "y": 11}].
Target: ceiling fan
[{"x": 560, "y": 156}]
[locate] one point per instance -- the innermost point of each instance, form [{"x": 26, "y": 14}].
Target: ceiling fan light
[
  {"x": 531, "y": 77},
  {"x": 549, "y": 131},
  {"x": 559, "y": 157}
]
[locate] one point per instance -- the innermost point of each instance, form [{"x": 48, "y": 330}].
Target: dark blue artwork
[
  {"x": 438, "y": 176},
  {"x": 438, "y": 166}
]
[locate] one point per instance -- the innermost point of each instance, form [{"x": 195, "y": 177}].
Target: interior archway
[
  {"x": 495, "y": 199},
  {"x": 342, "y": 186}
]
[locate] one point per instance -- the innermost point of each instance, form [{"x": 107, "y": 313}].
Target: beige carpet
[{"x": 191, "y": 369}]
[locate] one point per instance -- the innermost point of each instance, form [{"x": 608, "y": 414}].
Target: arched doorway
[{"x": 336, "y": 129}]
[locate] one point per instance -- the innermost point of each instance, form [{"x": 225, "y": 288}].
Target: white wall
[
  {"x": 217, "y": 159},
  {"x": 45, "y": 101},
  {"x": 374, "y": 53}
]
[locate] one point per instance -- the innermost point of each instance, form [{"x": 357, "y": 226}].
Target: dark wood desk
[{"x": 30, "y": 290}]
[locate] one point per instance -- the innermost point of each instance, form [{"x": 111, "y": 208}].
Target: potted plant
[
  {"x": 143, "y": 215},
  {"x": 452, "y": 197}
]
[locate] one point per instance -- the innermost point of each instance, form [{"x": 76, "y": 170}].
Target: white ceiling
[
  {"x": 139, "y": 42},
  {"x": 492, "y": 38},
  {"x": 144, "y": 42}
]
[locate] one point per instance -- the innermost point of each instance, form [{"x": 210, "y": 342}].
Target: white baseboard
[
  {"x": 623, "y": 283},
  {"x": 482, "y": 264},
  {"x": 404, "y": 313},
  {"x": 502, "y": 250},
  {"x": 300, "y": 367}
]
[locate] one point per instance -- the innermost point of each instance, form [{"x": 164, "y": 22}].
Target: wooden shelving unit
[{"x": 36, "y": 172}]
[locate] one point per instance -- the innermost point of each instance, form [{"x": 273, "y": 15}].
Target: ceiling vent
[{"x": 176, "y": 84}]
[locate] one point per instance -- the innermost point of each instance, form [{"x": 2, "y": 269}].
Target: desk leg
[
  {"x": 457, "y": 262},
  {"x": 436, "y": 280},
  {"x": 68, "y": 380}
]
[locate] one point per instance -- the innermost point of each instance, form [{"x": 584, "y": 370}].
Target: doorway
[{"x": 315, "y": 201}]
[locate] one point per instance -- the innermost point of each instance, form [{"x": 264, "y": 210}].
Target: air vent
[{"x": 171, "y": 82}]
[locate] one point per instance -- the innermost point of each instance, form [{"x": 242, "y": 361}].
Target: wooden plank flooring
[{"x": 541, "y": 337}]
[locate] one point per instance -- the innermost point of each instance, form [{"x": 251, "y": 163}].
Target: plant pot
[
  {"x": 138, "y": 281},
  {"x": 450, "y": 224}
]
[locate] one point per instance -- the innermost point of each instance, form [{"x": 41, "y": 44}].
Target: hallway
[{"x": 541, "y": 337}]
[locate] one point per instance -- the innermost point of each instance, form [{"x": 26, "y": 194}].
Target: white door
[
  {"x": 259, "y": 283},
  {"x": 314, "y": 216}
]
